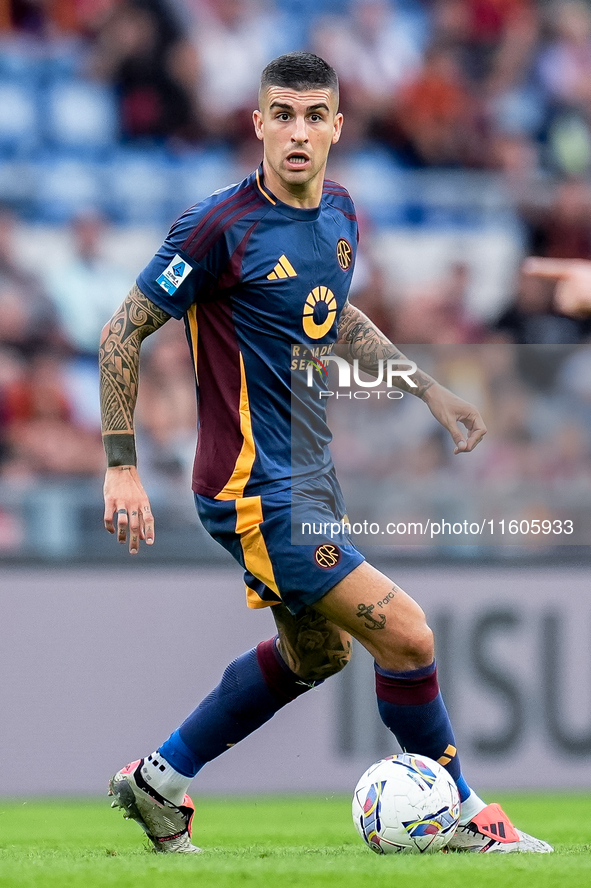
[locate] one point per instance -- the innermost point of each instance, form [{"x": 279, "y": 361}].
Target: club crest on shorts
[
  {"x": 344, "y": 253},
  {"x": 327, "y": 555}
]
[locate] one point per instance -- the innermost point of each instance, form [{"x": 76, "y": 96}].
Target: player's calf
[{"x": 312, "y": 647}]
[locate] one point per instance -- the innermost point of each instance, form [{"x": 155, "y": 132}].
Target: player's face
[{"x": 297, "y": 130}]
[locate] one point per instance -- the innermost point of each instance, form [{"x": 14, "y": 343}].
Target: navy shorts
[{"x": 259, "y": 532}]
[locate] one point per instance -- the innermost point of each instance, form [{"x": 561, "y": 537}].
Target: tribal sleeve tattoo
[
  {"x": 119, "y": 362},
  {"x": 359, "y": 338}
]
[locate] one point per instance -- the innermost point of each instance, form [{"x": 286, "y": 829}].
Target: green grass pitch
[{"x": 303, "y": 841}]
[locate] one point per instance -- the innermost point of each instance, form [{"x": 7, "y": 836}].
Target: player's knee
[
  {"x": 419, "y": 648},
  {"x": 413, "y": 650},
  {"x": 422, "y": 647}
]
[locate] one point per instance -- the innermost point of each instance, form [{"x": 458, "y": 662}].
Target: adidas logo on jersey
[{"x": 283, "y": 269}]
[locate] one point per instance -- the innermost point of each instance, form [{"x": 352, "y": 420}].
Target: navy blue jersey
[{"x": 253, "y": 277}]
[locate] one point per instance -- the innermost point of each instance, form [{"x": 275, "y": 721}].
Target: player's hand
[
  {"x": 450, "y": 410},
  {"x": 126, "y": 499},
  {"x": 573, "y": 277}
]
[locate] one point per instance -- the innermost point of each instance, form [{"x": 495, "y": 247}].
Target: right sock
[
  {"x": 252, "y": 689},
  {"x": 161, "y": 776}
]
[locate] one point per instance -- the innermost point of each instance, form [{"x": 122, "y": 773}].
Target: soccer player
[
  {"x": 254, "y": 270},
  {"x": 573, "y": 277}
]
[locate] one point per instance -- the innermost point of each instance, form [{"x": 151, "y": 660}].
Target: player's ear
[
  {"x": 257, "y": 119},
  {"x": 338, "y": 126}
]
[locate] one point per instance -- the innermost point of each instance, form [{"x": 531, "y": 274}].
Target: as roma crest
[
  {"x": 327, "y": 555},
  {"x": 344, "y": 253}
]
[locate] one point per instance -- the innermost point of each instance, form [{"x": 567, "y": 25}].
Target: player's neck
[{"x": 304, "y": 197}]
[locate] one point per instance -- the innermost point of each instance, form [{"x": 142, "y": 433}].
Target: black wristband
[{"x": 120, "y": 450}]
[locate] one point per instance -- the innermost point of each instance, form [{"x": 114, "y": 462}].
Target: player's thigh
[
  {"x": 312, "y": 646},
  {"x": 379, "y": 614}
]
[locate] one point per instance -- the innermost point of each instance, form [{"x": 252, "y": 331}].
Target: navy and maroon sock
[
  {"x": 411, "y": 705},
  {"x": 252, "y": 689}
]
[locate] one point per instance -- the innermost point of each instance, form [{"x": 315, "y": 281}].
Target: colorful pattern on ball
[
  {"x": 370, "y": 818},
  {"x": 406, "y": 804},
  {"x": 442, "y": 821}
]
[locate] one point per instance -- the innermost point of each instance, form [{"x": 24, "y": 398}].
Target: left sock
[
  {"x": 471, "y": 806},
  {"x": 411, "y": 705}
]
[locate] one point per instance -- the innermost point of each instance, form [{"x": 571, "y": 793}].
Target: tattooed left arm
[{"x": 359, "y": 339}]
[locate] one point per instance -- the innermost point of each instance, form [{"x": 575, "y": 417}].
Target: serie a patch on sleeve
[{"x": 174, "y": 274}]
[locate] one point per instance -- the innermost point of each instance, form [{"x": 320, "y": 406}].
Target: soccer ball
[{"x": 406, "y": 803}]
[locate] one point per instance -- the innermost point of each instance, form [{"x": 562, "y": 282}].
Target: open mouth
[{"x": 298, "y": 159}]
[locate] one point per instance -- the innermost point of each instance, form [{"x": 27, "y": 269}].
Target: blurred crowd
[
  {"x": 463, "y": 83},
  {"x": 500, "y": 85}
]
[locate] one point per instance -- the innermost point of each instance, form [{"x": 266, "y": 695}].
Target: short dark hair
[{"x": 300, "y": 71}]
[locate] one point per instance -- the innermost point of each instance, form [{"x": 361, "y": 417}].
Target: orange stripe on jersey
[
  {"x": 234, "y": 488},
  {"x": 262, "y": 190},
  {"x": 249, "y": 515},
  {"x": 192, "y": 318},
  {"x": 254, "y": 600}
]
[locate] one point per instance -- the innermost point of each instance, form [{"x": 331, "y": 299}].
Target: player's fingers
[
  {"x": 122, "y": 524},
  {"x": 134, "y": 531},
  {"x": 474, "y": 438},
  {"x": 108, "y": 516},
  {"x": 457, "y": 436},
  {"x": 147, "y": 525},
  {"x": 476, "y": 432},
  {"x": 554, "y": 269}
]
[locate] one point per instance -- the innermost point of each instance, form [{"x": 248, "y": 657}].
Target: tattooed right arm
[
  {"x": 119, "y": 358},
  {"x": 119, "y": 361}
]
